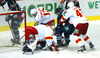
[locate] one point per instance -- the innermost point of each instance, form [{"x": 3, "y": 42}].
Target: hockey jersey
[
  {"x": 43, "y": 16},
  {"x": 43, "y": 34},
  {"x": 75, "y": 14}
]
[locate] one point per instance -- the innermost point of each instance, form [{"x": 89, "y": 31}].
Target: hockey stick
[
  {"x": 3, "y": 8},
  {"x": 11, "y": 33},
  {"x": 22, "y": 36},
  {"x": 55, "y": 47}
]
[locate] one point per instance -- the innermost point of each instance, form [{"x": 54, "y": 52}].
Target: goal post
[{"x": 7, "y": 26}]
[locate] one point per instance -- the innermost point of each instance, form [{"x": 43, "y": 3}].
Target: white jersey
[
  {"x": 75, "y": 16},
  {"x": 43, "y": 16},
  {"x": 43, "y": 33}
]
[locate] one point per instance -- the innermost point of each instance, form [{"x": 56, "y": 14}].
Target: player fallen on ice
[
  {"x": 76, "y": 3},
  {"x": 65, "y": 28},
  {"x": 80, "y": 23},
  {"x": 39, "y": 36}
]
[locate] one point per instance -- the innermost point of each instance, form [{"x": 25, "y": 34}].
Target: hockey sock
[
  {"x": 78, "y": 40},
  {"x": 85, "y": 38}
]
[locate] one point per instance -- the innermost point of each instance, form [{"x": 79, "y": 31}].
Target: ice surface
[{"x": 66, "y": 52}]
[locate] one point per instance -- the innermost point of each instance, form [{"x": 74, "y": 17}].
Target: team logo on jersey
[
  {"x": 31, "y": 35},
  {"x": 66, "y": 28},
  {"x": 36, "y": 24},
  {"x": 53, "y": 23},
  {"x": 76, "y": 31}
]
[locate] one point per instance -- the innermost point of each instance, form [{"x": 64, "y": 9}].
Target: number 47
[{"x": 78, "y": 13}]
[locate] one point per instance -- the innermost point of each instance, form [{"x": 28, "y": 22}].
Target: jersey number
[
  {"x": 46, "y": 13},
  {"x": 78, "y": 13}
]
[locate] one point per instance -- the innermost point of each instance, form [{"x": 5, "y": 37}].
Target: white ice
[{"x": 66, "y": 52}]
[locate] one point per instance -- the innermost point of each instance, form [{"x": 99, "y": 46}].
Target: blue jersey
[
  {"x": 2, "y": 2},
  {"x": 16, "y": 6}
]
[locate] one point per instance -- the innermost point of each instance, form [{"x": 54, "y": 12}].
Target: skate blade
[
  {"x": 93, "y": 48},
  {"x": 81, "y": 52},
  {"x": 28, "y": 53}
]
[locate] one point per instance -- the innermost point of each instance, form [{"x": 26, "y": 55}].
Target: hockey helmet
[
  {"x": 59, "y": 10},
  {"x": 30, "y": 32},
  {"x": 33, "y": 11},
  {"x": 70, "y": 5}
]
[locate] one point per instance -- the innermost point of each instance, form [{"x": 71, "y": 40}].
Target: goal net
[{"x": 12, "y": 25}]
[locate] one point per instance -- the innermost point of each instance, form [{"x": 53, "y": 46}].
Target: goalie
[{"x": 37, "y": 34}]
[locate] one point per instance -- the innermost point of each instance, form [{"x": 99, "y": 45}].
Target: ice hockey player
[
  {"x": 12, "y": 4},
  {"x": 41, "y": 16},
  {"x": 16, "y": 19},
  {"x": 37, "y": 34},
  {"x": 76, "y": 3},
  {"x": 65, "y": 28},
  {"x": 80, "y": 23}
]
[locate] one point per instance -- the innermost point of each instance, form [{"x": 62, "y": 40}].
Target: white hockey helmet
[
  {"x": 33, "y": 11},
  {"x": 70, "y": 5}
]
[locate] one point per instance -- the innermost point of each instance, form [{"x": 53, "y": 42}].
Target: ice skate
[
  {"x": 27, "y": 50},
  {"x": 59, "y": 44},
  {"x": 82, "y": 49},
  {"x": 66, "y": 43},
  {"x": 15, "y": 41},
  {"x": 91, "y": 45}
]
